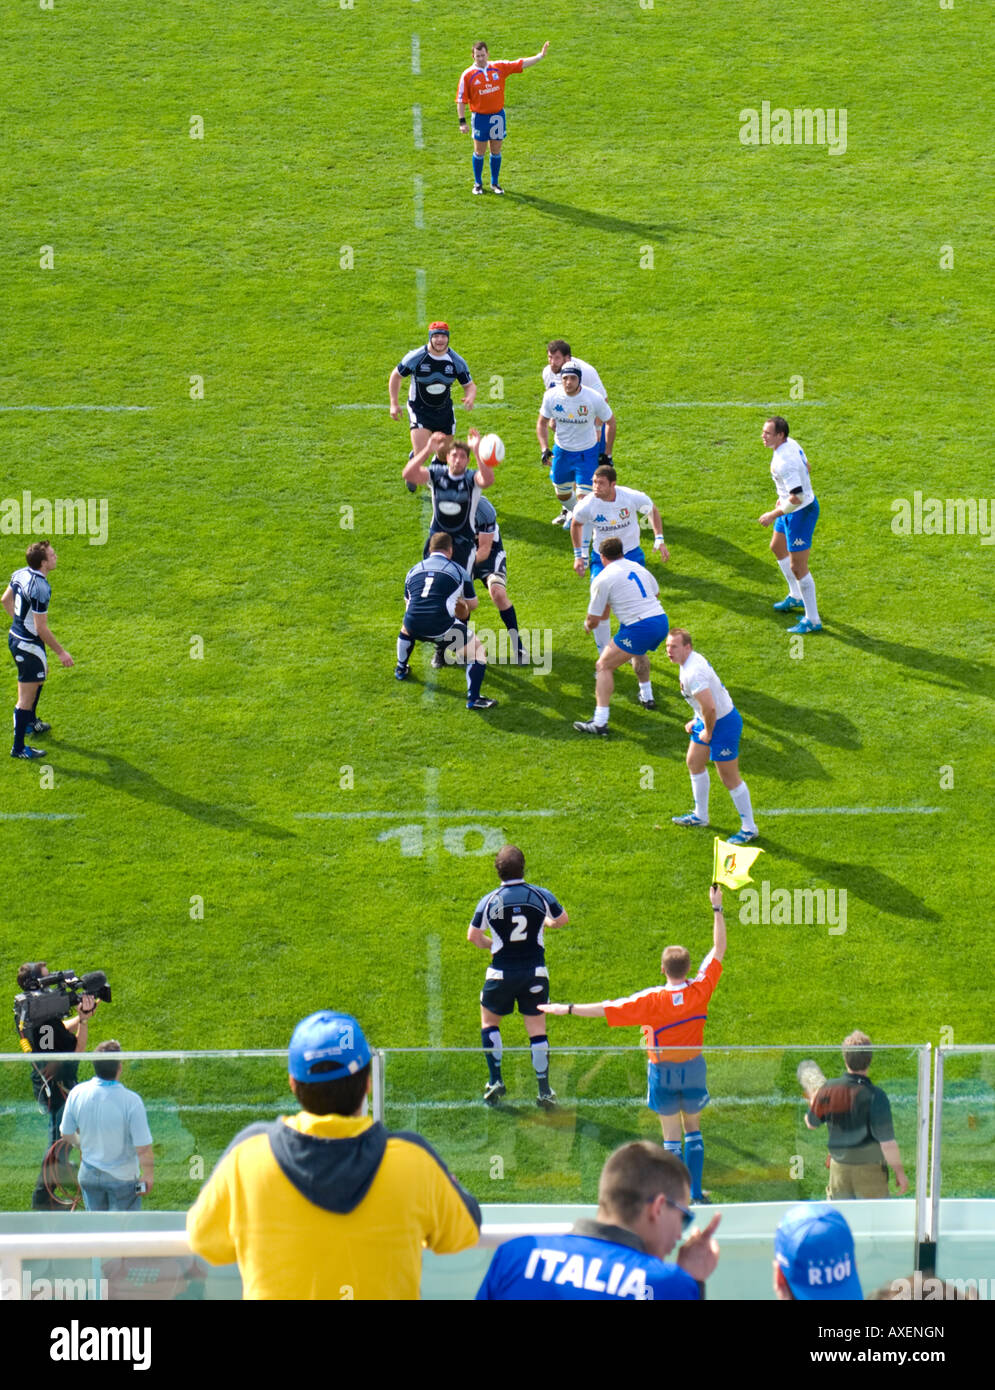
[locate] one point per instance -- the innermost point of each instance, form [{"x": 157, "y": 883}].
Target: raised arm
[
  {"x": 415, "y": 471},
  {"x": 719, "y": 927},
  {"x": 530, "y": 62}
]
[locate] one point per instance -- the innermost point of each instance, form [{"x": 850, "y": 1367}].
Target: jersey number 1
[{"x": 635, "y": 579}]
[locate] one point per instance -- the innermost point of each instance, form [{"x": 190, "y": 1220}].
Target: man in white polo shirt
[
  {"x": 629, "y": 591},
  {"x": 107, "y": 1123},
  {"x": 578, "y": 413},
  {"x": 794, "y": 520},
  {"x": 715, "y": 732}
]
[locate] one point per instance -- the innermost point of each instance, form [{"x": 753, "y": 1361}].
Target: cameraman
[{"x": 52, "y": 1082}]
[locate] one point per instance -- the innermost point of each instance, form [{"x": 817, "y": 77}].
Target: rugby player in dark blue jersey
[
  {"x": 26, "y": 601},
  {"x": 510, "y": 922},
  {"x": 439, "y": 595},
  {"x": 433, "y": 369},
  {"x": 491, "y": 570}
]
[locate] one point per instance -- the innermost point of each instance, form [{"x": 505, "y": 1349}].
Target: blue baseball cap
[
  {"x": 327, "y": 1046},
  {"x": 813, "y": 1244}
]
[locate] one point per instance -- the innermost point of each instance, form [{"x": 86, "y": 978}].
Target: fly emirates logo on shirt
[
  {"x": 488, "y": 82},
  {"x": 559, "y": 1268}
]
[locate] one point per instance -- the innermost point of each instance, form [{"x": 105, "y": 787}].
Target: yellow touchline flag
[{"x": 732, "y": 863}]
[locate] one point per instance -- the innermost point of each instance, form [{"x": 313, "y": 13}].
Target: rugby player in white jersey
[
  {"x": 558, "y": 352},
  {"x": 613, "y": 511},
  {"x": 715, "y": 733},
  {"x": 630, "y": 592},
  {"x": 578, "y": 412},
  {"x": 794, "y": 520}
]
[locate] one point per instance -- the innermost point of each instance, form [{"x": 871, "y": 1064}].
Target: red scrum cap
[{"x": 438, "y": 327}]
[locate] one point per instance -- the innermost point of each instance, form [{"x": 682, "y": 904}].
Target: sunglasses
[{"x": 687, "y": 1217}]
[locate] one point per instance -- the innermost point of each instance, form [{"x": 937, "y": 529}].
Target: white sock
[
  {"x": 645, "y": 690},
  {"x": 793, "y": 588},
  {"x": 741, "y": 800},
  {"x": 807, "y": 586},
  {"x": 699, "y": 786},
  {"x": 603, "y": 634},
  {"x": 600, "y": 715},
  {"x": 567, "y": 503}
]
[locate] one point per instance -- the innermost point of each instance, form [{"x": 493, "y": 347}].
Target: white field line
[
  {"x": 853, "y": 811},
  {"x": 433, "y": 989},
  {"x": 421, "y": 290},
  {"x": 730, "y": 405},
  {"x": 110, "y": 409},
  {"x": 418, "y": 815},
  {"x": 281, "y": 1107},
  {"x": 419, "y": 192},
  {"x": 507, "y": 815},
  {"x": 415, "y": 55},
  {"x": 416, "y": 128},
  {"x": 41, "y": 815}
]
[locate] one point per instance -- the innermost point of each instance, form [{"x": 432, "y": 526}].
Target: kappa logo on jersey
[
  {"x": 725, "y": 752},
  {"x": 799, "y": 544},
  {"x": 624, "y": 642},
  {"x": 561, "y": 408},
  {"x": 601, "y": 519}
]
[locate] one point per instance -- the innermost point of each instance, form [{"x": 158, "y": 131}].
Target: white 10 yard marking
[{"x": 426, "y": 834}]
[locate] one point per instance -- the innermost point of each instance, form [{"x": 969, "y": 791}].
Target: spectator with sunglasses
[{"x": 643, "y": 1200}]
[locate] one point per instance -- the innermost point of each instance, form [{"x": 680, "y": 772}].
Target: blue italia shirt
[{"x": 594, "y": 1261}]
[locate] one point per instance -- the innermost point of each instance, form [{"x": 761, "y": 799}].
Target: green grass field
[{"x": 339, "y": 827}]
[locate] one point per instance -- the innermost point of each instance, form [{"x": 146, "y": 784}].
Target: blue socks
[
  {"x": 495, "y": 169},
  {"x": 478, "y": 168},
  {"x": 694, "y": 1157},
  {"x": 540, "y": 1057},
  {"x": 474, "y": 678},
  {"x": 22, "y": 718},
  {"x": 491, "y": 1040}
]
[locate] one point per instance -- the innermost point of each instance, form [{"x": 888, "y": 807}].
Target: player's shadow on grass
[
  {"x": 720, "y": 550},
  {"x": 122, "y": 776},
  {"x": 948, "y": 669},
  {"x": 518, "y": 528},
  {"x": 824, "y": 725},
  {"x": 597, "y": 221},
  {"x": 863, "y": 881}
]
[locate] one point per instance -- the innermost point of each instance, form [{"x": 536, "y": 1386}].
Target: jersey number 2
[{"x": 521, "y": 927}]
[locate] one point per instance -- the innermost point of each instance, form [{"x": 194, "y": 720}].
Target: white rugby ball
[{"x": 491, "y": 449}]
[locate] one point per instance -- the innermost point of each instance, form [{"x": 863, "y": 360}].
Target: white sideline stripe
[
  {"x": 41, "y": 815},
  {"x": 416, "y": 127},
  {"x": 731, "y": 405},
  {"x": 417, "y": 815},
  {"x": 421, "y": 289},
  {"x": 853, "y": 811},
  {"x": 172, "y": 1107},
  {"x": 419, "y": 186},
  {"x": 610, "y": 1102},
  {"x": 433, "y": 988},
  {"x": 112, "y": 409},
  {"x": 415, "y": 55}
]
